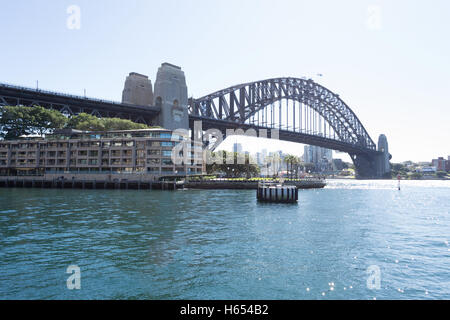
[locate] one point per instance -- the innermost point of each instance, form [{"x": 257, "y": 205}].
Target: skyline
[{"x": 387, "y": 61}]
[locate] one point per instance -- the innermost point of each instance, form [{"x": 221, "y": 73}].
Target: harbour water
[{"x": 223, "y": 244}]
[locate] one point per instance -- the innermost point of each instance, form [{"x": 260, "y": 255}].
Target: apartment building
[{"x": 67, "y": 153}]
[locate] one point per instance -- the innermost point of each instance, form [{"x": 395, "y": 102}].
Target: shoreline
[{"x": 252, "y": 185}]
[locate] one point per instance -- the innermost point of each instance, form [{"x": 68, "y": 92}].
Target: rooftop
[{"x": 171, "y": 65}]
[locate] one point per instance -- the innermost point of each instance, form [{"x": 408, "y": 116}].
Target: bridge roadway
[
  {"x": 285, "y": 135},
  {"x": 73, "y": 104}
]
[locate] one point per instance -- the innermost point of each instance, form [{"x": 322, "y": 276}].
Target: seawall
[{"x": 251, "y": 185}]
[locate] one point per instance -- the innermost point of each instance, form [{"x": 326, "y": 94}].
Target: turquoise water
[{"x": 222, "y": 244}]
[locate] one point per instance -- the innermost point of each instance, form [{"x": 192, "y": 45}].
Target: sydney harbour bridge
[{"x": 299, "y": 109}]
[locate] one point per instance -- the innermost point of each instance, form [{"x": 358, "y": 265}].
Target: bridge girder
[{"x": 239, "y": 103}]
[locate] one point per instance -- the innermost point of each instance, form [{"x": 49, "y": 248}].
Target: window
[
  {"x": 154, "y": 143},
  {"x": 167, "y": 144},
  {"x": 167, "y": 162},
  {"x": 167, "y": 153},
  {"x": 82, "y": 153},
  {"x": 154, "y": 152},
  {"x": 153, "y": 161},
  {"x": 141, "y": 153},
  {"x": 93, "y": 153},
  {"x": 165, "y": 135}
]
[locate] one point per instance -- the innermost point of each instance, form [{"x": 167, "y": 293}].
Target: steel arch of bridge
[{"x": 238, "y": 104}]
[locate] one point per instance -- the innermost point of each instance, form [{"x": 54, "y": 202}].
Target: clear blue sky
[{"x": 395, "y": 74}]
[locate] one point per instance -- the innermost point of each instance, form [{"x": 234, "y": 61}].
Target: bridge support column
[{"x": 376, "y": 165}]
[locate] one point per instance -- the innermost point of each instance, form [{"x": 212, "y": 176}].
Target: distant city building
[
  {"x": 441, "y": 164},
  {"x": 320, "y": 157},
  {"x": 261, "y": 157},
  {"x": 427, "y": 170},
  {"x": 237, "y": 147}
]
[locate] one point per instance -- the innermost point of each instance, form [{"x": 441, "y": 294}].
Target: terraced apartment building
[{"x": 146, "y": 154}]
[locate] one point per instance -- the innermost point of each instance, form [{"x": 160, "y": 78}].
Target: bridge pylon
[
  {"x": 374, "y": 165},
  {"x": 171, "y": 96}
]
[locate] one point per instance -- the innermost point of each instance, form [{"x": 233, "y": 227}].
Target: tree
[
  {"x": 441, "y": 174},
  {"x": 416, "y": 175},
  {"x": 16, "y": 121},
  {"x": 87, "y": 122},
  {"x": 247, "y": 168},
  {"x": 122, "y": 124},
  {"x": 291, "y": 162}
]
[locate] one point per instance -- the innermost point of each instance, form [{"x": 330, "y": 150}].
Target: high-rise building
[
  {"x": 237, "y": 147},
  {"x": 320, "y": 157},
  {"x": 440, "y": 164}
]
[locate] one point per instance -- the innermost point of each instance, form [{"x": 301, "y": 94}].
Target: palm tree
[{"x": 291, "y": 160}]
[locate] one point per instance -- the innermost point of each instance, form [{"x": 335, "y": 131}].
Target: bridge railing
[{"x": 61, "y": 94}]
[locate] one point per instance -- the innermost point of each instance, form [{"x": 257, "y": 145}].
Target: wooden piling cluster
[{"x": 269, "y": 192}]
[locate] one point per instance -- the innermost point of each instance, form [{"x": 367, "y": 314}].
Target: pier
[
  {"x": 250, "y": 184},
  {"x": 124, "y": 184}
]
